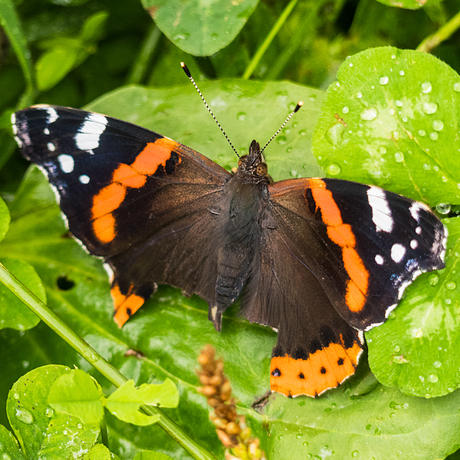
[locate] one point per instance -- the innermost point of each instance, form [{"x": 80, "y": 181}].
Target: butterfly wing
[
  {"x": 337, "y": 256},
  {"x": 139, "y": 200}
]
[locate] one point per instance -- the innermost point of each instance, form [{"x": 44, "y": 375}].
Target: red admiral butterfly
[{"x": 320, "y": 260}]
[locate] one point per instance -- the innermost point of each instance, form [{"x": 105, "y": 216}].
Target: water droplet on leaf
[
  {"x": 384, "y": 80},
  {"x": 426, "y": 87},
  {"x": 369, "y": 114}
]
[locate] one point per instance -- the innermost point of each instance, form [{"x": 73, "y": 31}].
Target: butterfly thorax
[{"x": 252, "y": 168}]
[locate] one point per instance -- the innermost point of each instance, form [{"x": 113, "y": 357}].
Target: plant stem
[
  {"x": 96, "y": 360},
  {"x": 432, "y": 41},
  {"x": 148, "y": 48},
  {"x": 268, "y": 39}
]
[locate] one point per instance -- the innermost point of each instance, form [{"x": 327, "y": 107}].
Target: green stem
[
  {"x": 96, "y": 360},
  {"x": 148, "y": 48},
  {"x": 440, "y": 35},
  {"x": 268, "y": 39}
]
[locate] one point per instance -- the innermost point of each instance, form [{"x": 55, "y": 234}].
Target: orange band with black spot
[
  {"x": 125, "y": 305},
  {"x": 342, "y": 235},
  {"x": 154, "y": 155},
  {"x": 324, "y": 369}
]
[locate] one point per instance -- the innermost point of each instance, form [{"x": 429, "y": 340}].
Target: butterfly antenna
[
  {"x": 297, "y": 108},
  {"x": 189, "y": 75}
]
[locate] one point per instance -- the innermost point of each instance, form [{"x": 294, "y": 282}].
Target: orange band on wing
[
  {"x": 125, "y": 305},
  {"x": 342, "y": 235},
  {"x": 324, "y": 369},
  {"x": 147, "y": 162}
]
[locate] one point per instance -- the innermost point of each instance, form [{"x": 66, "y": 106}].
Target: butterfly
[{"x": 319, "y": 260}]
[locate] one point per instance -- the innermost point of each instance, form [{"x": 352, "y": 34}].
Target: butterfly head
[{"x": 252, "y": 167}]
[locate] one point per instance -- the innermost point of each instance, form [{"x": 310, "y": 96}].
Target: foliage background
[{"x": 82, "y": 51}]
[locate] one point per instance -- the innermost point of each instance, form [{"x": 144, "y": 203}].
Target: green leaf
[
  {"x": 94, "y": 27},
  {"x": 4, "y": 219},
  {"x": 13, "y": 312},
  {"x": 12, "y": 27},
  {"x": 98, "y": 452},
  {"x": 54, "y": 65},
  {"x": 383, "y": 424},
  {"x": 150, "y": 455},
  {"x": 126, "y": 401},
  {"x": 417, "y": 348},
  {"x": 392, "y": 119},
  {"x": 40, "y": 430},
  {"x": 200, "y": 28},
  {"x": 407, "y": 4},
  {"x": 9, "y": 447},
  {"x": 79, "y": 395}
]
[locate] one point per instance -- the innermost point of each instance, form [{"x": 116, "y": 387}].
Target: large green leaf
[
  {"x": 40, "y": 431},
  {"x": 392, "y": 119},
  {"x": 381, "y": 425},
  {"x": 200, "y": 28}
]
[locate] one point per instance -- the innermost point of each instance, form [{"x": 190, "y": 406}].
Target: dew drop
[
  {"x": 422, "y": 132},
  {"x": 359, "y": 94},
  {"x": 350, "y": 65},
  {"x": 382, "y": 150},
  {"x": 302, "y": 132},
  {"x": 437, "y": 364},
  {"x": 369, "y": 114},
  {"x": 355, "y": 454},
  {"x": 311, "y": 98},
  {"x": 49, "y": 412},
  {"x": 399, "y": 157},
  {"x": 395, "y": 135},
  {"x": 293, "y": 173},
  {"x": 281, "y": 140},
  {"x": 384, "y": 80},
  {"x": 433, "y": 378},
  {"x": 299, "y": 436},
  {"x": 426, "y": 87},
  {"x": 426, "y": 166},
  {"x": 24, "y": 416},
  {"x": 399, "y": 103},
  {"x": 456, "y": 86},
  {"x": 443, "y": 208},
  {"x": 433, "y": 279},
  {"x": 434, "y": 136},
  {"x": 391, "y": 111},
  {"x": 451, "y": 286},
  {"x": 392, "y": 415},
  {"x": 404, "y": 119},
  {"x": 333, "y": 169},
  {"x": 429, "y": 107},
  {"x": 16, "y": 395},
  {"x": 448, "y": 301},
  {"x": 241, "y": 116},
  {"x": 438, "y": 125},
  {"x": 397, "y": 348},
  {"x": 401, "y": 72},
  {"x": 345, "y": 109}
]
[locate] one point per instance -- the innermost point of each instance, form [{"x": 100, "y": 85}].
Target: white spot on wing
[
  {"x": 52, "y": 114},
  {"x": 66, "y": 162},
  {"x": 84, "y": 179},
  {"x": 381, "y": 212},
  {"x": 46, "y": 131},
  {"x": 379, "y": 259},
  {"x": 415, "y": 209},
  {"x": 414, "y": 244},
  {"x": 418, "y": 230},
  {"x": 90, "y": 131},
  {"x": 51, "y": 147},
  {"x": 15, "y": 129},
  {"x": 398, "y": 252}
]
